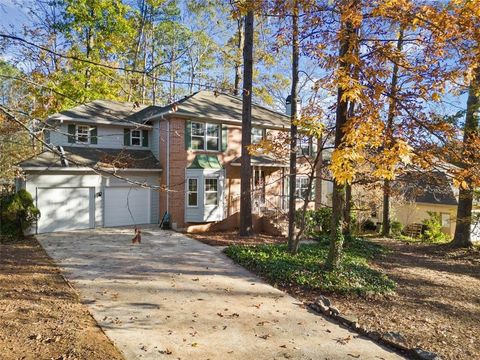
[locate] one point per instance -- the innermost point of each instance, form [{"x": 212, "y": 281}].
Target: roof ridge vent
[{"x": 63, "y": 159}]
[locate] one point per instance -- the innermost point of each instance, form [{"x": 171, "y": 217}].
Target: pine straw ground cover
[
  {"x": 435, "y": 304},
  {"x": 41, "y": 317}
]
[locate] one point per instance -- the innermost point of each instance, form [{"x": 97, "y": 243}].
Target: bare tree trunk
[
  {"x": 462, "y": 237},
  {"x": 238, "y": 65},
  {"x": 246, "y": 168},
  {"x": 334, "y": 257},
  {"x": 348, "y": 210},
  {"x": 389, "y": 137},
  {"x": 292, "y": 247}
]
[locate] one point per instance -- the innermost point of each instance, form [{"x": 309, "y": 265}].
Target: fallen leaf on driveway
[
  {"x": 354, "y": 356},
  {"x": 220, "y": 314},
  {"x": 264, "y": 337},
  {"x": 343, "y": 341}
]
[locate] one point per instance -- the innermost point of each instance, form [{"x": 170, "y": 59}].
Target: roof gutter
[
  {"x": 225, "y": 120},
  {"x": 83, "y": 169}
]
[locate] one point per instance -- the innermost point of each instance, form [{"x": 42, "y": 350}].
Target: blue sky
[
  {"x": 11, "y": 14},
  {"x": 12, "y": 17}
]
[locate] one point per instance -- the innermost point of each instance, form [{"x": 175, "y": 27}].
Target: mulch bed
[
  {"x": 436, "y": 305},
  {"x": 41, "y": 317}
]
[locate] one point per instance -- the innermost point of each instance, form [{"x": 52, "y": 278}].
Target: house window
[
  {"x": 258, "y": 135},
  {"x": 303, "y": 145},
  {"x": 211, "y": 191},
  {"x": 136, "y": 138},
  {"x": 445, "y": 218},
  {"x": 301, "y": 188},
  {"x": 205, "y": 136},
  {"x": 192, "y": 193},
  {"x": 83, "y": 134},
  {"x": 198, "y": 136},
  {"x": 213, "y": 136}
]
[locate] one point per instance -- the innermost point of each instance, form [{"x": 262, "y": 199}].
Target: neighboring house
[
  {"x": 424, "y": 193},
  {"x": 186, "y": 153},
  {"x": 414, "y": 196}
]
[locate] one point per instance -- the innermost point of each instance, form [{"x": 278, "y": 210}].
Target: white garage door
[
  {"x": 118, "y": 201},
  {"x": 64, "y": 209}
]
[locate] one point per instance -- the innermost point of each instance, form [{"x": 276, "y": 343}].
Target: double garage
[{"x": 71, "y": 201}]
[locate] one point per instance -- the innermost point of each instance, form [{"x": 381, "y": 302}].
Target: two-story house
[{"x": 186, "y": 154}]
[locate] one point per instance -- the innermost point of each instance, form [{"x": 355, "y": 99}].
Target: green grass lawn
[{"x": 306, "y": 270}]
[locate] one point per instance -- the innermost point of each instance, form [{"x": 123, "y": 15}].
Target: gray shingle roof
[
  {"x": 95, "y": 157},
  {"x": 215, "y": 106},
  {"x": 102, "y": 111},
  {"x": 261, "y": 160},
  {"x": 204, "y": 104},
  {"x": 432, "y": 187}
]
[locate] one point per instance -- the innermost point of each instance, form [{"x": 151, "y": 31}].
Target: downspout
[{"x": 168, "y": 165}]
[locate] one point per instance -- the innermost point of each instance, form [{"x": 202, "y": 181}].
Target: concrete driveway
[{"x": 175, "y": 298}]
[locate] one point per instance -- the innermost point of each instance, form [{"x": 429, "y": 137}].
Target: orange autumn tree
[{"x": 357, "y": 46}]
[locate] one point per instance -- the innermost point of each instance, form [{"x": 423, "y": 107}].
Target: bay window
[
  {"x": 192, "y": 192},
  {"x": 211, "y": 191}
]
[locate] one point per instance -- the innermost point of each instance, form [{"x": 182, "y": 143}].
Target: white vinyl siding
[{"x": 108, "y": 137}]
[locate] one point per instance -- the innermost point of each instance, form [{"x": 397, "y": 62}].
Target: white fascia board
[
  {"x": 263, "y": 165},
  {"x": 100, "y": 122}
]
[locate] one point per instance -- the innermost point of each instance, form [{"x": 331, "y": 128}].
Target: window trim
[
  {"x": 298, "y": 190},
  {"x": 77, "y": 127},
  {"x": 205, "y": 136},
  {"x": 140, "y": 137},
  {"x": 304, "y": 143},
  {"x": 189, "y": 192},
  {"x": 209, "y": 191},
  {"x": 263, "y": 135}
]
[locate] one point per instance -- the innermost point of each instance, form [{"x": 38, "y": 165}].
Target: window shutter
[
  {"x": 93, "y": 136},
  {"x": 126, "y": 137},
  {"x": 71, "y": 133},
  {"x": 145, "y": 138},
  {"x": 188, "y": 135},
  {"x": 224, "y": 137}
]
